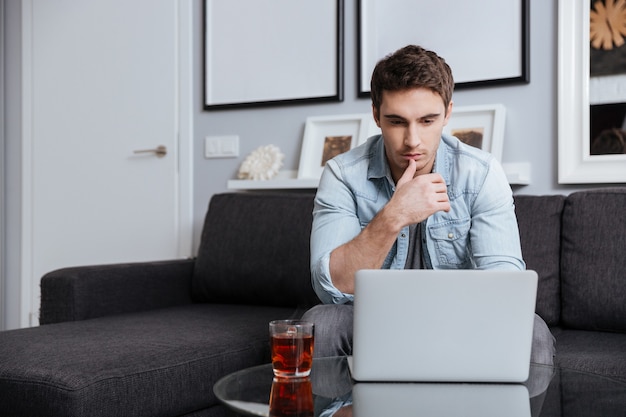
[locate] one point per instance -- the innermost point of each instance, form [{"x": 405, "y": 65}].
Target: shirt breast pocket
[{"x": 451, "y": 242}]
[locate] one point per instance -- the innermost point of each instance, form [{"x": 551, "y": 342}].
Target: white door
[{"x": 103, "y": 79}]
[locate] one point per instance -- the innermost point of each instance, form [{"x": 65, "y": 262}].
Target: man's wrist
[{"x": 388, "y": 221}]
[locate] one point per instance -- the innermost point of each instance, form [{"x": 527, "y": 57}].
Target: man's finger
[
  {"x": 409, "y": 172},
  {"x": 436, "y": 178}
]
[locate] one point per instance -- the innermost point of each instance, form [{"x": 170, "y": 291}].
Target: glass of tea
[{"x": 291, "y": 345}]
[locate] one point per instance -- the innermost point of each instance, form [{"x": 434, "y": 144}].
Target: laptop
[
  {"x": 443, "y": 325},
  {"x": 374, "y": 399}
]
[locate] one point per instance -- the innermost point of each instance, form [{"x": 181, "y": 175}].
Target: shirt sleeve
[
  {"x": 335, "y": 222},
  {"x": 495, "y": 239}
]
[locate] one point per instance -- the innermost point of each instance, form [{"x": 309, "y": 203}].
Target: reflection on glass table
[{"x": 330, "y": 391}]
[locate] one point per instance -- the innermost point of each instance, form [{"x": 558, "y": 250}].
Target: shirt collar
[{"x": 378, "y": 167}]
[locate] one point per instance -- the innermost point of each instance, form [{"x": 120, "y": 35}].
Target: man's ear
[{"x": 376, "y": 115}]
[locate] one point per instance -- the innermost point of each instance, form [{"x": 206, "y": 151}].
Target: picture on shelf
[
  {"x": 480, "y": 126},
  {"x": 335, "y": 145},
  {"x": 472, "y": 136},
  {"x": 328, "y": 136}
]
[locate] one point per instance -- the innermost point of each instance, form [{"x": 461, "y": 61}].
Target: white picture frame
[
  {"x": 576, "y": 165},
  {"x": 481, "y": 126},
  {"x": 372, "y": 128},
  {"x": 328, "y": 136}
]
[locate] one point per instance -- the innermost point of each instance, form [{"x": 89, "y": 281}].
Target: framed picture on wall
[
  {"x": 328, "y": 136},
  {"x": 479, "y": 126},
  {"x": 493, "y": 48},
  {"x": 264, "y": 52},
  {"x": 582, "y": 159}
]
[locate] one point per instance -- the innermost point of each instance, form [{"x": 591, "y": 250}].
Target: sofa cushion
[
  {"x": 539, "y": 220},
  {"x": 593, "y": 260},
  {"x": 156, "y": 363},
  {"x": 590, "y": 351},
  {"x": 254, "y": 249}
]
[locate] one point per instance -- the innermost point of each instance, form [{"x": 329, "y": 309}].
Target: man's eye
[
  {"x": 428, "y": 121},
  {"x": 396, "y": 122}
]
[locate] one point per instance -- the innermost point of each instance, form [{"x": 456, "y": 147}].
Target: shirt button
[
  {"x": 450, "y": 235},
  {"x": 403, "y": 235}
]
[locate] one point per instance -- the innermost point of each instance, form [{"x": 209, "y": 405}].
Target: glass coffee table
[{"x": 330, "y": 391}]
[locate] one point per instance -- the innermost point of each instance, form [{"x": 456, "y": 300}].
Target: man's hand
[{"x": 418, "y": 197}]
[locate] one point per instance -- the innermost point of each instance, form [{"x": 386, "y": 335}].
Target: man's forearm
[{"x": 368, "y": 250}]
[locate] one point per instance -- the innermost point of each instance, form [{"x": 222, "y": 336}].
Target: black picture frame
[
  {"x": 487, "y": 25},
  {"x": 250, "y": 62}
]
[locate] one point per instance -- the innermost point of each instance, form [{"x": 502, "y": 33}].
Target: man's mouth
[{"x": 414, "y": 156}]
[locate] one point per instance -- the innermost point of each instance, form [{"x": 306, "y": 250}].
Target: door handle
[{"x": 160, "y": 151}]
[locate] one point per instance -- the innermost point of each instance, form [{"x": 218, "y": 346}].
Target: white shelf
[
  {"x": 285, "y": 180},
  {"x": 517, "y": 173}
]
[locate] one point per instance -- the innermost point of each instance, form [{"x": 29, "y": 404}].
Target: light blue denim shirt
[{"x": 479, "y": 232}]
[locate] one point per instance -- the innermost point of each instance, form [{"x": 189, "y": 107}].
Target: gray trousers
[{"x": 333, "y": 333}]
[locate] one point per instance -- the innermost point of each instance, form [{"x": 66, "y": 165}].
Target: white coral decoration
[{"x": 262, "y": 164}]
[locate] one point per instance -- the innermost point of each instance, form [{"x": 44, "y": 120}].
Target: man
[{"x": 409, "y": 198}]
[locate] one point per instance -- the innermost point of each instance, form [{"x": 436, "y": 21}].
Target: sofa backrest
[
  {"x": 593, "y": 260},
  {"x": 539, "y": 221},
  {"x": 254, "y": 249},
  {"x": 575, "y": 243}
]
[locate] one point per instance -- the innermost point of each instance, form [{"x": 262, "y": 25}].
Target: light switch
[
  {"x": 210, "y": 148},
  {"x": 221, "y": 146},
  {"x": 230, "y": 146}
]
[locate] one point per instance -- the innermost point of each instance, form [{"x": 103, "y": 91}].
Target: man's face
[{"x": 411, "y": 122}]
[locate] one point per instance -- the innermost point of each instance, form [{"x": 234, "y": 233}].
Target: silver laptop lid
[{"x": 443, "y": 325}]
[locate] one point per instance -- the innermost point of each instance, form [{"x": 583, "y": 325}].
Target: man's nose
[{"x": 412, "y": 137}]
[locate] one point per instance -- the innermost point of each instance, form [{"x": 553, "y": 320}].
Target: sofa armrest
[{"x": 85, "y": 292}]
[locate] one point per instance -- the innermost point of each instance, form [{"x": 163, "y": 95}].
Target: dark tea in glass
[{"x": 291, "y": 344}]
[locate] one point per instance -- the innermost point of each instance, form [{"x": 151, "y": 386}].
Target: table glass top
[{"x": 330, "y": 391}]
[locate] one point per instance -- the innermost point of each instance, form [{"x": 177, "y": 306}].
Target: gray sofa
[{"x": 151, "y": 339}]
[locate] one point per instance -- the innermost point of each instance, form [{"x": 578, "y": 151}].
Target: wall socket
[{"x": 226, "y": 146}]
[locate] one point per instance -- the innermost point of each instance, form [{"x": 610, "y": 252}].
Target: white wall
[{"x": 531, "y": 114}]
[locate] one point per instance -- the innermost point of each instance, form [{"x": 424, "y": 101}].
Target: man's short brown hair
[{"x": 412, "y": 67}]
